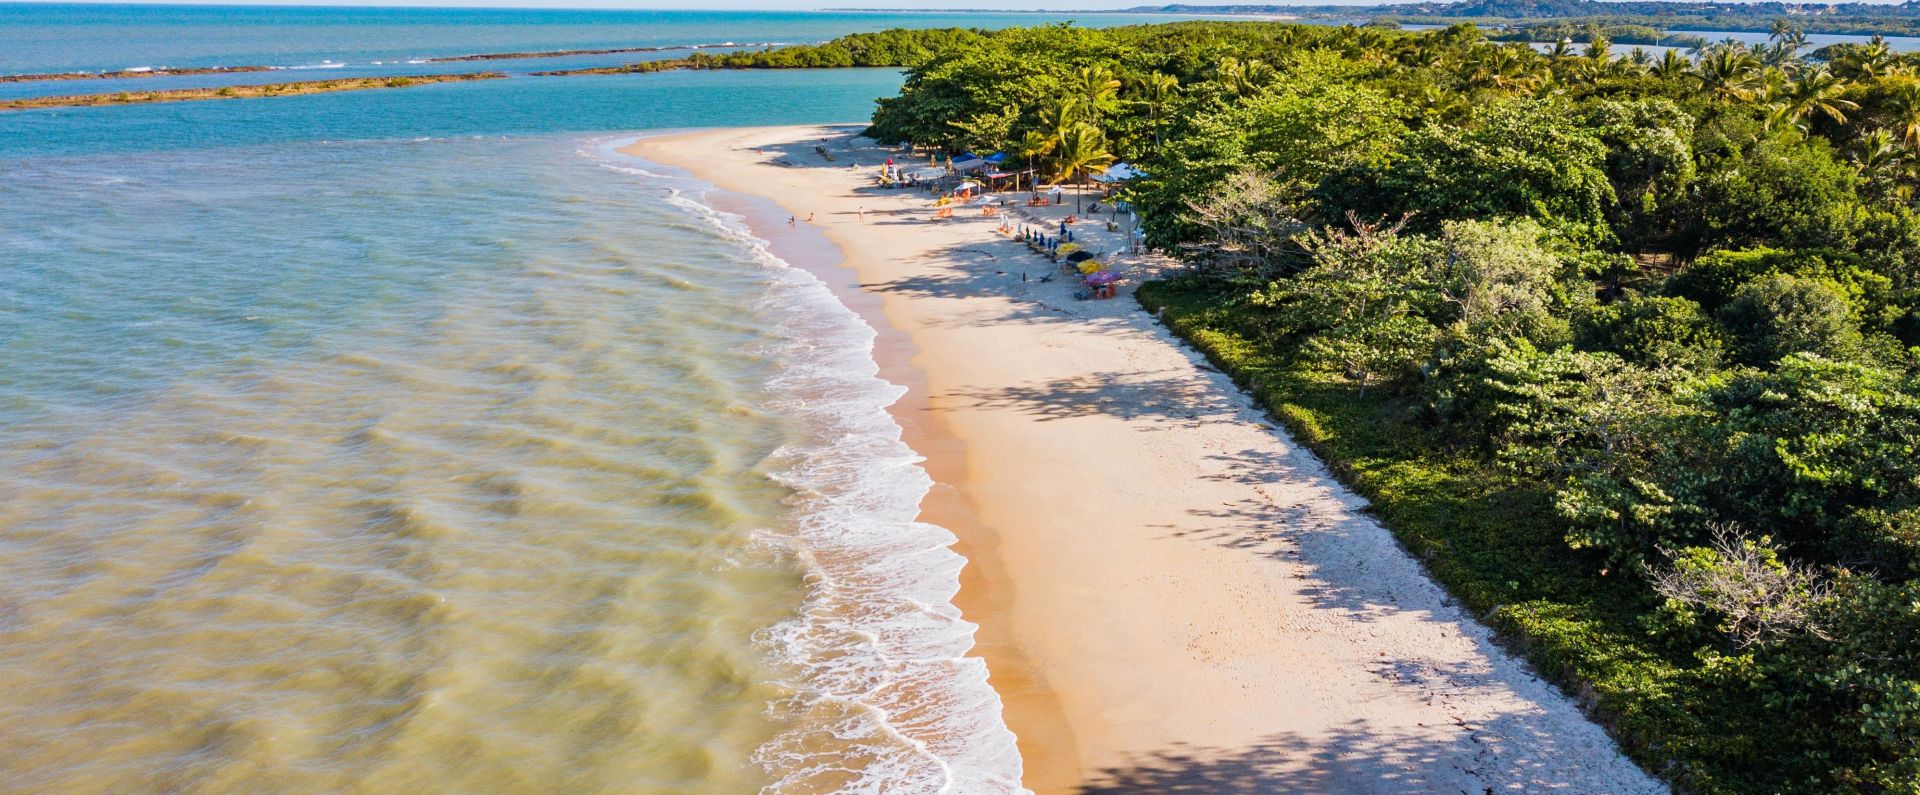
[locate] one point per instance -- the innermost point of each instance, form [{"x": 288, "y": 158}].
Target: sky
[
  {"x": 757, "y": 5},
  {"x": 740, "y": 5}
]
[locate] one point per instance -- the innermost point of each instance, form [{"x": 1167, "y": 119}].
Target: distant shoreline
[
  {"x": 241, "y": 92},
  {"x": 484, "y": 56},
  {"x": 132, "y": 73}
]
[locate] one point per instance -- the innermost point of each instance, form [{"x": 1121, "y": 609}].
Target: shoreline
[
  {"x": 1169, "y": 592},
  {"x": 1046, "y": 743}
]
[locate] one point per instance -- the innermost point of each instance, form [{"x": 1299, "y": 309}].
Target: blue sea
[{"x": 416, "y": 440}]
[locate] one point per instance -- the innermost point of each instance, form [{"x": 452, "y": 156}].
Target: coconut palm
[
  {"x": 1867, "y": 61},
  {"x": 1729, "y": 74},
  {"x": 1600, "y": 50},
  {"x": 1094, "y": 87},
  {"x": 1778, "y": 54},
  {"x": 1671, "y": 65},
  {"x": 1506, "y": 69},
  {"x": 1818, "y": 93},
  {"x": 1243, "y": 77},
  {"x": 1903, "y": 109},
  {"x": 1033, "y": 145},
  {"x": 1797, "y": 40},
  {"x": 1587, "y": 70},
  {"x": 1080, "y": 150},
  {"x": 1772, "y": 86},
  {"x": 1155, "y": 90},
  {"x": 1055, "y": 119},
  {"x": 1874, "y": 151}
]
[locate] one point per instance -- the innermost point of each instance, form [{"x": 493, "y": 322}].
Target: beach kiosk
[{"x": 1113, "y": 176}]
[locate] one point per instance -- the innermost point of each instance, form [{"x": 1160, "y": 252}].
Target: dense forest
[
  {"x": 1855, "y": 18},
  {"x": 1622, "y": 347}
]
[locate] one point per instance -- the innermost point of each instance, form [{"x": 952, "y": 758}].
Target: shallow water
[
  {"x": 550, "y": 480},
  {"x": 417, "y": 441}
]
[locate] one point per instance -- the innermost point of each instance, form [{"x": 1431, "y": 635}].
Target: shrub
[
  {"x": 1780, "y": 314},
  {"x": 1654, "y": 331}
]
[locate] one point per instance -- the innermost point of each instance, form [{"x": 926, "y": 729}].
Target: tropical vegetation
[{"x": 1622, "y": 346}]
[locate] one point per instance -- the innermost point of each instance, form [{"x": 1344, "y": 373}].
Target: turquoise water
[
  {"x": 416, "y": 440},
  {"x": 70, "y": 37}
]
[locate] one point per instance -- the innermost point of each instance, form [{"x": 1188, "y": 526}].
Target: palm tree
[
  {"x": 1867, "y": 61},
  {"x": 1081, "y": 149},
  {"x": 1883, "y": 162},
  {"x": 1671, "y": 65},
  {"x": 1055, "y": 119},
  {"x": 1772, "y": 86},
  {"x": 1818, "y": 93},
  {"x": 1781, "y": 30},
  {"x": 1588, "y": 71},
  {"x": 1903, "y": 108},
  {"x": 1243, "y": 77},
  {"x": 1561, "y": 49},
  {"x": 1778, "y": 55},
  {"x": 1797, "y": 40},
  {"x": 1506, "y": 69},
  {"x": 1873, "y": 151},
  {"x": 1600, "y": 50},
  {"x": 1155, "y": 90},
  {"x": 1093, "y": 86},
  {"x": 1728, "y": 73},
  {"x": 1033, "y": 145}
]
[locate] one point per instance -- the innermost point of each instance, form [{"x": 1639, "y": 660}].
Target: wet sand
[{"x": 1172, "y": 595}]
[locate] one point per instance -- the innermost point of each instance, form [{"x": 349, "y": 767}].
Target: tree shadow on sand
[
  {"x": 1174, "y": 396},
  {"x": 1031, "y": 289},
  {"x": 1353, "y": 758}
]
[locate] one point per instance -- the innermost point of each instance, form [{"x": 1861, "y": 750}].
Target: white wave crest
[{"x": 884, "y": 698}]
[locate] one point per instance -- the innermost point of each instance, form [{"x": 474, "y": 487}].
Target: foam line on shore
[{"x": 883, "y": 694}]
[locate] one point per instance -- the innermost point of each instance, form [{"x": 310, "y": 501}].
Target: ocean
[{"x": 419, "y": 441}]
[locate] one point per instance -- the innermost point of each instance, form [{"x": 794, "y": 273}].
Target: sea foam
[{"x": 882, "y": 695}]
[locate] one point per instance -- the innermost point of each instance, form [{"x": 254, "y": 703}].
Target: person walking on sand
[{"x": 863, "y": 212}]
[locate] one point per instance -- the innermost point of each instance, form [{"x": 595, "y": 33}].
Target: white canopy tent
[{"x": 1119, "y": 172}]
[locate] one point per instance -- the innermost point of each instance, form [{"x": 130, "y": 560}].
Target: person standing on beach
[{"x": 863, "y": 212}]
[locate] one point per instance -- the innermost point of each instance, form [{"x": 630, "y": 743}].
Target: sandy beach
[{"x": 1172, "y": 595}]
